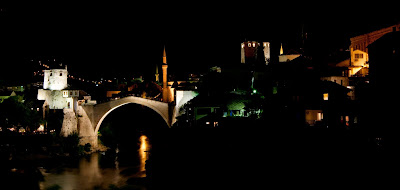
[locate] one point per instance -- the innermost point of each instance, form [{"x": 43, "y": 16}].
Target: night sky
[{"x": 127, "y": 39}]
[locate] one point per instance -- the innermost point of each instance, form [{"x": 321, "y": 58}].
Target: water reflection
[
  {"x": 87, "y": 175},
  {"x": 100, "y": 170},
  {"x": 90, "y": 171},
  {"x": 143, "y": 154}
]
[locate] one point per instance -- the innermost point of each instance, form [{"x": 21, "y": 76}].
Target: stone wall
[
  {"x": 54, "y": 98},
  {"x": 69, "y": 125}
]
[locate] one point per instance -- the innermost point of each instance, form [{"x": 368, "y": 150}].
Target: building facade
[{"x": 359, "y": 58}]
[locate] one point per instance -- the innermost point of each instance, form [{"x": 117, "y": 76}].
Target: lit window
[
  {"x": 242, "y": 45},
  {"x": 207, "y": 123},
  {"x": 216, "y": 124},
  {"x": 254, "y": 44},
  {"x": 347, "y": 120},
  {"x": 326, "y": 96},
  {"x": 249, "y": 44},
  {"x": 320, "y": 116}
]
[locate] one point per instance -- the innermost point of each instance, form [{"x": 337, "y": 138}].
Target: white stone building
[{"x": 54, "y": 93}]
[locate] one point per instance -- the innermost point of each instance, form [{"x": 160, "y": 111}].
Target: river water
[
  {"x": 100, "y": 170},
  {"x": 230, "y": 159}
]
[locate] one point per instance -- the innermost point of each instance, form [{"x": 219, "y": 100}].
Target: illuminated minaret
[
  {"x": 281, "y": 51},
  {"x": 165, "y": 80},
  {"x": 157, "y": 75}
]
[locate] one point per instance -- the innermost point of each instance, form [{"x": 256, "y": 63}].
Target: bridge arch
[
  {"x": 112, "y": 109},
  {"x": 100, "y": 111}
]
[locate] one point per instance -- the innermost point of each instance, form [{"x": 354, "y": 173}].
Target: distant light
[
  {"x": 41, "y": 128},
  {"x": 254, "y": 91},
  {"x": 21, "y": 130},
  {"x": 326, "y": 96}
]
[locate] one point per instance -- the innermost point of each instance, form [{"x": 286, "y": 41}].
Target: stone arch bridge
[{"x": 87, "y": 119}]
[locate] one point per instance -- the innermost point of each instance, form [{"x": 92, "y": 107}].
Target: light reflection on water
[
  {"x": 89, "y": 174},
  {"x": 143, "y": 154}
]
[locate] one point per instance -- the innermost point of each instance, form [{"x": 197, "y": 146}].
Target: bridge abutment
[
  {"x": 85, "y": 128},
  {"x": 79, "y": 122}
]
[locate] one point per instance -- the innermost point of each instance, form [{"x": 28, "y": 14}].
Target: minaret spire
[
  {"x": 157, "y": 75},
  {"x": 281, "y": 51},
  {"x": 164, "y": 57},
  {"x": 165, "y": 79}
]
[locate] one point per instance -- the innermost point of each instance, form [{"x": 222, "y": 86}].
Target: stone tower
[
  {"x": 165, "y": 80},
  {"x": 55, "y": 79},
  {"x": 249, "y": 51}
]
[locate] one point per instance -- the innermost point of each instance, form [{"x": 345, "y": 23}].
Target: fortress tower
[
  {"x": 54, "y": 90},
  {"x": 55, "y": 79},
  {"x": 249, "y": 51}
]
